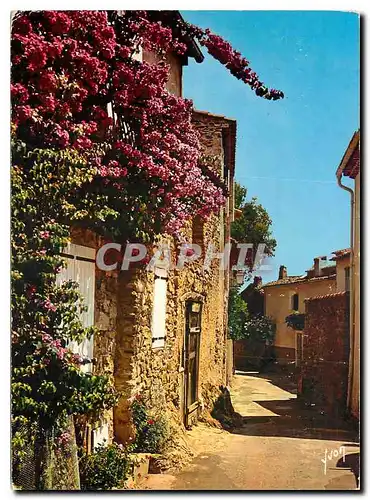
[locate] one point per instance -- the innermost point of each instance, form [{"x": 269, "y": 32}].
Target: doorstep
[{"x": 143, "y": 465}]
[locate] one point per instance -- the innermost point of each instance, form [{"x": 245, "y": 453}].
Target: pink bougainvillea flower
[
  {"x": 49, "y": 305},
  {"x": 69, "y": 68}
]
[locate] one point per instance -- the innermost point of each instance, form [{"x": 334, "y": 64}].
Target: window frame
[
  {"x": 160, "y": 280},
  {"x": 294, "y": 297}
]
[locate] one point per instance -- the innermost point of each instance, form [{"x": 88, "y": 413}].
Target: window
[
  {"x": 81, "y": 268},
  {"x": 295, "y": 302},
  {"x": 159, "y": 308},
  {"x": 347, "y": 279}
]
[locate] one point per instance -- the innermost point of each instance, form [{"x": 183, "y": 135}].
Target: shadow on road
[
  {"x": 284, "y": 380},
  {"x": 289, "y": 417}
]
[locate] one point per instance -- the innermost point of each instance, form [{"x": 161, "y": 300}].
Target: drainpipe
[{"x": 352, "y": 301}]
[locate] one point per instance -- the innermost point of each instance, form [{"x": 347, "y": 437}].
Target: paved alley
[{"x": 280, "y": 445}]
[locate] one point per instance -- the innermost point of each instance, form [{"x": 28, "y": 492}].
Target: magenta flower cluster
[
  {"x": 67, "y": 66},
  {"x": 238, "y": 65}
]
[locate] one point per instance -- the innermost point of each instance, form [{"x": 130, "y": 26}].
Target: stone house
[{"x": 162, "y": 333}]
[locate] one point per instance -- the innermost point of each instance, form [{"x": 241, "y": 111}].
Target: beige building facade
[
  {"x": 287, "y": 295},
  {"x": 342, "y": 258}
]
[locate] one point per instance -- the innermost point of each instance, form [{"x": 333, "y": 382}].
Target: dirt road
[{"x": 280, "y": 446}]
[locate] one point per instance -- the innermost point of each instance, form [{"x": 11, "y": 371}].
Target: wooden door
[{"x": 192, "y": 343}]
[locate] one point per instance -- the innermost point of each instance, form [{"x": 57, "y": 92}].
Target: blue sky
[{"x": 288, "y": 150}]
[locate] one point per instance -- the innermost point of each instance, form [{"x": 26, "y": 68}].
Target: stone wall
[
  {"x": 249, "y": 354},
  {"x": 324, "y": 372},
  {"x": 158, "y": 373},
  {"x": 123, "y": 315}
]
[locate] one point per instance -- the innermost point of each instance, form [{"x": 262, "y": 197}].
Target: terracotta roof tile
[
  {"x": 298, "y": 279},
  {"x": 350, "y": 163},
  {"x": 327, "y": 296},
  {"x": 339, "y": 254}
]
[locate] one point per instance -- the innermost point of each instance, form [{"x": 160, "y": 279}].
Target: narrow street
[{"x": 280, "y": 445}]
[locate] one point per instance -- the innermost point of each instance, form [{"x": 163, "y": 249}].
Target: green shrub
[
  {"x": 295, "y": 321},
  {"x": 238, "y": 314},
  {"x": 151, "y": 432},
  {"x": 260, "y": 328},
  {"x": 106, "y": 468}
]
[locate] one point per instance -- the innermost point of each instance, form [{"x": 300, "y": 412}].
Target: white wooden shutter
[
  {"x": 81, "y": 268},
  {"x": 101, "y": 435},
  {"x": 159, "y": 308}
]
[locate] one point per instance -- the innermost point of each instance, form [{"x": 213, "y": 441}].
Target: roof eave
[
  {"x": 193, "y": 48},
  {"x": 354, "y": 142}
]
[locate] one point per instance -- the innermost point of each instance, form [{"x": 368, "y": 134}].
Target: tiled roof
[
  {"x": 297, "y": 279},
  {"x": 327, "y": 296},
  {"x": 339, "y": 254},
  {"x": 172, "y": 18},
  {"x": 350, "y": 164},
  {"x": 353, "y": 166},
  {"x": 214, "y": 115},
  {"x": 324, "y": 264}
]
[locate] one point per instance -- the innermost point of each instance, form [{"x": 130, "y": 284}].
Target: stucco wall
[
  {"x": 341, "y": 265},
  {"x": 355, "y": 395},
  {"x": 278, "y": 306}
]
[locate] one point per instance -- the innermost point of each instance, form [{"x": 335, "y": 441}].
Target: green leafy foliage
[
  {"x": 237, "y": 314},
  {"x": 260, "y": 328},
  {"x": 106, "y": 468},
  {"x": 151, "y": 431},
  {"x": 295, "y": 321},
  {"x": 48, "y": 384},
  {"x": 254, "y": 224}
]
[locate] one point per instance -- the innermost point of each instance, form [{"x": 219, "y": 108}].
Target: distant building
[
  {"x": 287, "y": 294},
  {"x": 253, "y": 296},
  {"x": 342, "y": 259}
]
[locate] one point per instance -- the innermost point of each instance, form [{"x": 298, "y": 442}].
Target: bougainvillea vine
[
  {"x": 68, "y": 66},
  {"x": 233, "y": 60}
]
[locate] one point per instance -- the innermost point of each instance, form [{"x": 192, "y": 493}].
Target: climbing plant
[
  {"x": 254, "y": 224},
  {"x": 260, "y": 328},
  {"x": 67, "y": 66},
  {"x": 98, "y": 141},
  {"x": 47, "y": 382},
  {"x": 237, "y": 314}
]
